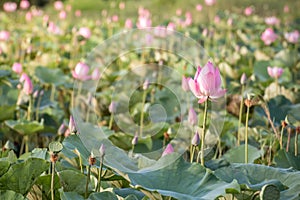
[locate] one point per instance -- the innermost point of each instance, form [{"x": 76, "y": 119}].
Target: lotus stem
[
  {"x": 240, "y": 116},
  {"x": 142, "y": 112},
  {"x": 87, "y": 181},
  {"x": 99, "y": 175},
  {"x": 296, "y": 143},
  {"x": 246, "y": 135},
  {"x": 203, "y": 133},
  {"x": 111, "y": 120},
  {"x": 288, "y": 140}
]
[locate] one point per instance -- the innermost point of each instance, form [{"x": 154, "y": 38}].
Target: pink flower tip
[
  {"x": 275, "y": 72},
  {"x": 168, "y": 150}
]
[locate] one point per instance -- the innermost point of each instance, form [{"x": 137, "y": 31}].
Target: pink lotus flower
[
  {"x": 168, "y": 150},
  {"x": 72, "y": 125},
  {"x": 58, "y": 5},
  {"x": 195, "y": 140},
  {"x": 248, "y": 11},
  {"x": 178, "y": 12},
  {"x": 135, "y": 140},
  {"x": 24, "y": 4},
  {"x": 268, "y": 36},
  {"x": 4, "y": 35},
  {"x": 62, "y": 14},
  {"x": 217, "y": 19},
  {"x": 192, "y": 117},
  {"x": 275, "y": 72},
  {"x": 85, "y": 32},
  {"x": 207, "y": 83},
  {"x": 115, "y": 18},
  {"x": 77, "y": 13},
  {"x": 68, "y": 8},
  {"x": 27, "y": 84},
  {"x": 185, "y": 84},
  {"x": 28, "y": 16},
  {"x": 230, "y": 21},
  {"x": 17, "y": 68},
  {"x": 210, "y": 2},
  {"x": 144, "y": 22},
  {"x": 121, "y": 5},
  {"x": 292, "y": 37},
  {"x": 128, "y": 23},
  {"x": 243, "y": 79},
  {"x": 272, "y": 20},
  {"x": 112, "y": 108},
  {"x": 52, "y": 28},
  {"x": 171, "y": 26},
  {"x": 286, "y": 9},
  {"x": 199, "y": 7},
  {"x": 95, "y": 74},
  {"x": 81, "y": 72},
  {"x": 10, "y": 6}
]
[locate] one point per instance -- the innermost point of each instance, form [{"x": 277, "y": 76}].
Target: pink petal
[{"x": 203, "y": 99}]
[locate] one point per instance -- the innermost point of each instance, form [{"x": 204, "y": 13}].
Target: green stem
[
  {"x": 80, "y": 163},
  {"x": 281, "y": 137},
  {"x": 246, "y": 135},
  {"x": 142, "y": 113},
  {"x": 192, "y": 153},
  {"x": 288, "y": 140},
  {"x": 87, "y": 181},
  {"x": 52, "y": 180},
  {"x": 240, "y": 116},
  {"x": 38, "y": 107},
  {"x": 52, "y": 95},
  {"x": 296, "y": 143},
  {"x": 203, "y": 132},
  {"x": 111, "y": 120},
  {"x": 99, "y": 175}
]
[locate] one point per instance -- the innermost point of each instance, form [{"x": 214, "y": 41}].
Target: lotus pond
[{"x": 126, "y": 102}]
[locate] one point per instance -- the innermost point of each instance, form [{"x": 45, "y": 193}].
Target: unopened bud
[
  {"x": 146, "y": 84},
  {"x": 196, "y": 139},
  {"x": 168, "y": 150},
  {"x": 243, "y": 79},
  {"x": 102, "y": 150},
  {"x": 135, "y": 140}
]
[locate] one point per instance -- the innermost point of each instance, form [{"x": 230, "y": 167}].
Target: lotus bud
[
  {"x": 192, "y": 118},
  {"x": 196, "y": 139},
  {"x": 135, "y": 140},
  {"x": 243, "y": 79},
  {"x": 168, "y": 150},
  {"x": 102, "y": 150}
]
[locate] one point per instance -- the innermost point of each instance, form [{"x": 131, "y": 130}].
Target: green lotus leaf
[
  {"x": 237, "y": 154},
  {"x": 25, "y": 127},
  {"x": 11, "y": 195}
]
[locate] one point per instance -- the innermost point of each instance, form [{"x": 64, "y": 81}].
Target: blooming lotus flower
[
  {"x": 192, "y": 117},
  {"x": 207, "y": 83},
  {"x": 248, "y": 11},
  {"x": 195, "y": 140},
  {"x": 272, "y": 20},
  {"x": 185, "y": 84},
  {"x": 198, "y": 7},
  {"x": 27, "y": 84},
  {"x": 275, "y": 72},
  {"x": 17, "y": 68},
  {"x": 115, "y": 18},
  {"x": 268, "y": 36},
  {"x": 85, "y": 32},
  {"x": 58, "y": 5},
  {"x": 171, "y": 26},
  {"x": 52, "y": 28},
  {"x": 81, "y": 72},
  {"x": 144, "y": 22},
  {"x": 292, "y": 37},
  {"x": 24, "y": 4},
  {"x": 210, "y": 2},
  {"x": 10, "y": 6},
  {"x": 168, "y": 150},
  {"x": 28, "y": 16},
  {"x": 4, "y": 35}
]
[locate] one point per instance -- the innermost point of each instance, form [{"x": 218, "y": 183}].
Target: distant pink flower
[
  {"x": 37, "y": 12},
  {"x": 171, "y": 26},
  {"x": 28, "y": 16},
  {"x": 192, "y": 117},
  {"x": 68, "y": 7},
  {"x": 4, "y": 35},
  {"x": 268, "y": 36},
  {"x": 217, "y": 19},
  {"x": 24, "y": 4},
  {"x": 160, "y": 31},
  {"x": 62, "y": 14},
  {"x": 115, "y": 18},
  {"x": 121, "y": 5},
  {"x": 45, "y": 19},
  {"x": 58, "y": 5},
  {"x": 95, "y": 74},
  {"x": 77, "y": 13},
  {"x": 210, "y": 2},
  {"x": 207, "y": 83},
  {"x": 275, "y": 72},
  {"x": 53, "y": 28},
  {"x": 248, "y": 11},
  {"x": 85, "y": 32},
  {"x": 292, "y": 37},
  {"x": 230, "y": 21},
  {"x": 128, "y": 24},
  {"x": 178, "y": 12},
  {"x": 10, "y": 6},
  {"x": 185, "y": 84},
  {"x": 286, "y": 9},
  {"x": 188, "y": 19},
  {"x": 272, "y": 20},
  {"x": 144, "y": 22},
  {"x": 198, "y": 7},
  {"x": 81, "y": 72},
  {"x": 17, "y": 68},
  {"x": 168, "y": 150},
  {"x": 27, "y": 84}
]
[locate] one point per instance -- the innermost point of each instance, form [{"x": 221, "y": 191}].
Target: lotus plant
[
  {"x": 268, "y": 36},
  {"x": 206, "y": 85},
  {"x": 292, "y": 37},
  {"x": 81, "y": 72}
]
